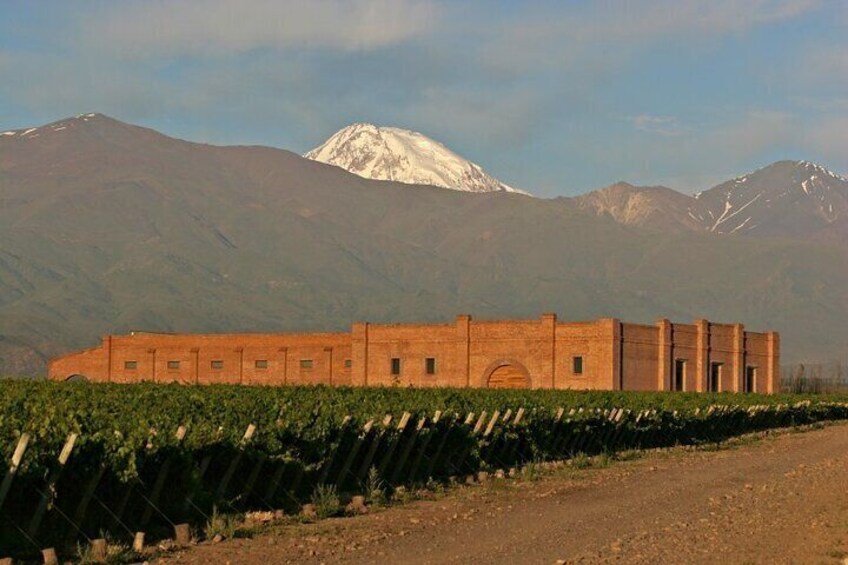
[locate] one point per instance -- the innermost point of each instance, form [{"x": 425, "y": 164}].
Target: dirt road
[{"x": 781, "y": 499}]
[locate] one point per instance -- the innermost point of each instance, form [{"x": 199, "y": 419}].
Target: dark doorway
[
  {"x": 714, "y": 377},
  {"x": 679, "y": 379}
]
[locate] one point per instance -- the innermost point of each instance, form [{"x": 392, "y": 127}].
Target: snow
[
  {"x": 395, "y": 154},
  {"x": 728, "y": 206},
  {"x": 30, "y": 130},
  {"x": 8, "y": 133},
  {"x": 60, "y": 128}
]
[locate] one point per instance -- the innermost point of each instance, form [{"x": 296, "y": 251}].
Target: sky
[{"x": 557, "y": 98}]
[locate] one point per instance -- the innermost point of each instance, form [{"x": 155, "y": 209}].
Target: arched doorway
[
  {"x": 506, "y": 373},
  {"x": 77, "y": 379}
]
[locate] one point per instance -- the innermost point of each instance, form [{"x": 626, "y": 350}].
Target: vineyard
[{"x": 80, "y": 461}]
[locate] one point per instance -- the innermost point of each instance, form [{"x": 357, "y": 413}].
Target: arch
[
  {"x": 76, "y": 378},
  {"x": 506, "y": 373}
]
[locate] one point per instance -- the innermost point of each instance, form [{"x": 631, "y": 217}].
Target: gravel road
[{"x": 778, "y": 499}]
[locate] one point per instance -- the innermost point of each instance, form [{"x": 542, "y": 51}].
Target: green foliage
[
  {"x": 326, "y": 501},
  {"x": 124, "y": 426}
]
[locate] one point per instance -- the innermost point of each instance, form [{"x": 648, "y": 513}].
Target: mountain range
[{"x": 107, "y": 227}]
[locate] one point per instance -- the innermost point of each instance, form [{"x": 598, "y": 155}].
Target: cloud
[
  {"x": 661, "y": 125},
  {"x": 551, "y": 38},
  {"x": 205, "y": 27}
]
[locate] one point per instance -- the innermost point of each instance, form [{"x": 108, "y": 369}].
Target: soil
[{"x": 778, "y": 498}]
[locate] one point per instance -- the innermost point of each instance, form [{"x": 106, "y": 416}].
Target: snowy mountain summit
[{"x": 400, "y": 155}]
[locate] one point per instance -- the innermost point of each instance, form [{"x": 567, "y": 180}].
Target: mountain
[
  {"x": 655, "y": 207},
  {"x": 788, "y": 199},
  {"x": 400, "y": 155},
  {"x": 107, "y": 227},
  {"x": 796, "y": 199}
]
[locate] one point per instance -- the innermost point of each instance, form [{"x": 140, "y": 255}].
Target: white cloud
[
  {"x": 204, "y": 27},
  {"x": 557, "y": 39}
]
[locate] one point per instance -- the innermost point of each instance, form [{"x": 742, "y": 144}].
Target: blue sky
[{"x": 553, "y": 97}]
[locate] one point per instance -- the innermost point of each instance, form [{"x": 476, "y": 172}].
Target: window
[
  {"x": 217, "y": 364},
  {"x": 395, "y": 365},
  {"x": 750, "y": 379},
  {"x": 306, "y": 363},
  {"x": 577, "y": 365},
  {"x": 679, "y": 375},
  {"x": 131, "y": 365},
  {"x": 714, "y": 378},
  {"x": 430, "y": 365},
  {"x": 348, "y": 363},
  {"x": 173, "y": 364},
  {"x": 261, "y": 364}
]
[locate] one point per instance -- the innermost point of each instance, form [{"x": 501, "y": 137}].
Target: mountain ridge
[{"x": 117, "y": 227}]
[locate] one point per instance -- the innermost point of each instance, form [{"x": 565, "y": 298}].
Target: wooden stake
[
  {"x": 99, "y": 552},
  {"x": 64, "y": 455},
  {"x": 17, "y": 457},
  {"x": 49, "y": 556},
  {"x": 182, "y": 534},
  {"x": 138, "y": 542}
]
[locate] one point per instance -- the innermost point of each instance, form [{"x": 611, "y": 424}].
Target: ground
[{"x": 782, "y": 498}]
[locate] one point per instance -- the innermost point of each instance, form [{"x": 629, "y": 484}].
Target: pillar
[
  {"x": 614, "y": 376},
  {"x": 329, "y": 354},
  {"x": 463, "y": 351},
  {"x": 359, "y": 354},
  {"x": 664, "y": 360},
  {"x": 773, "y": 352},
  {"x": 107, "y": 345},
  {"x": 738, "y": 358},
  {"x": 702, "y": 354},
  {"x": 549, "y": 335}
]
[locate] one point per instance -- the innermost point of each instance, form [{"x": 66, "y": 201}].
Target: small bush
[{"x": 326, "y": 501}]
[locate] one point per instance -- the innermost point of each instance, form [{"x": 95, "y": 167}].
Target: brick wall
[{"x": 604, "y": 354}]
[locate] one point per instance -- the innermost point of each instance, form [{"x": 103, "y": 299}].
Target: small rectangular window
[
  {"x": 217, "y": 364},
  {"x": 173, "y": 364},
  {"x": 395, "y": 365},
  {"x": 131, "y": 365},
  {"x": 430, "y": 365},
  {"x": 577, "y": 365},
  {"x": 348, "y": 363},
  {"x": 261, "y": 364},
  {"x": 306, "y": 363}
]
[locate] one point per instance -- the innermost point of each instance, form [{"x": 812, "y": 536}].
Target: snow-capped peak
[{"x": 395, "y": 154}]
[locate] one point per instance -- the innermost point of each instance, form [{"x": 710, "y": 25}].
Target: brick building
[{"x": 605, "y": 354}]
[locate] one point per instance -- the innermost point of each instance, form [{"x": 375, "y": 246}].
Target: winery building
[{"x": 604, "y": 354}]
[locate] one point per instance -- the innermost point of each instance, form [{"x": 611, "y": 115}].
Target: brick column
[
  {"x": 738, "y": 358},
  {"x": 284, "y": 351},
  {"x": 152, "y": 364},
  {"x": 549, "y": 335},
  {"x": 702, "y": 354},
  {"x": 664, "y": 354},
  {"x": 613, "y": 331},
  {"x": 329, "y": 352},
  {"x": 773, "y": 374},
  {"x": 359, "y": 354},
  {"x": 107, "y": 344},
  {"x": 463, "y": 350}
]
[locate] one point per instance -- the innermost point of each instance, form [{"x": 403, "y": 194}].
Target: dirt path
[{"x": 782, "y": 499}]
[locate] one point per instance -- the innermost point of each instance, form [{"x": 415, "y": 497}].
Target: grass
[{"x": 326, "y": 500}]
